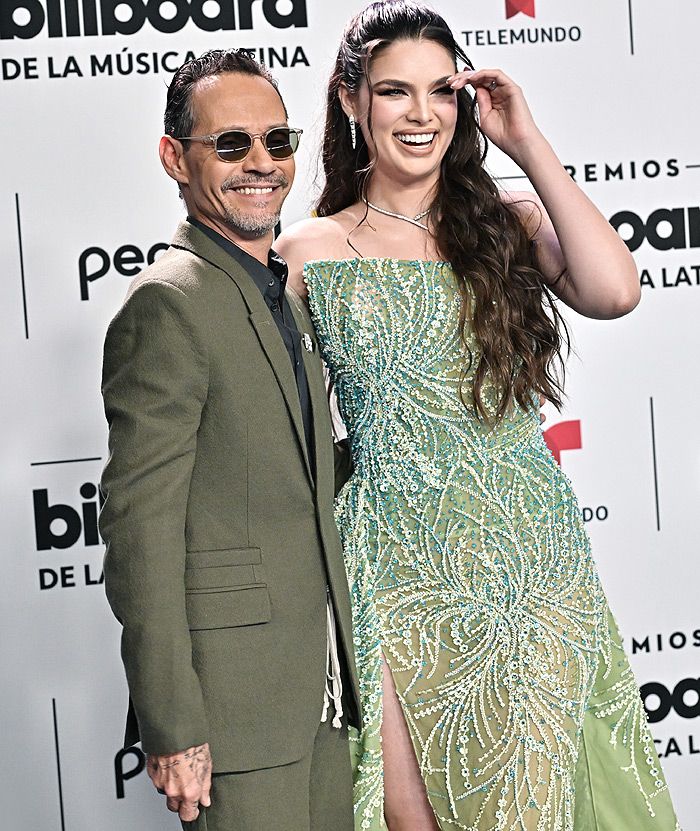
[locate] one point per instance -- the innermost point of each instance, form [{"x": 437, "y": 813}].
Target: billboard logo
[
  {"x": 64, "y": 527},
  {"x": 665, "y": 229},
  {"x": 684, "y": 699},
  {"x": 61, "y": 526},
  {"x": 26, "y": 19},
  {"x": 514, "y": 7}
]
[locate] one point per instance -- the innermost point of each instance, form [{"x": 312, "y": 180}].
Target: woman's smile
[{"x": 417, "y": 141}]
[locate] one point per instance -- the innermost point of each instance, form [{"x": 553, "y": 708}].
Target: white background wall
[{"x": 79, "y": 170}]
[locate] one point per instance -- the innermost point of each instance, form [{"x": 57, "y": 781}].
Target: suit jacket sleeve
[{"x": 155, "y": 381}]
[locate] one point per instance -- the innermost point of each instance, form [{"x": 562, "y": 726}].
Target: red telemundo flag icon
[
  {"x": 563, "y": 436},
  {"x": 513, "y": 7}
]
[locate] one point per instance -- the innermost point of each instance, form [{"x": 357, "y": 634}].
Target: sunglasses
[{"x": 234, "y": 145}]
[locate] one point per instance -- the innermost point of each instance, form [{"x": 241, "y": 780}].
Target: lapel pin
[{"x": 308, "y": 343}]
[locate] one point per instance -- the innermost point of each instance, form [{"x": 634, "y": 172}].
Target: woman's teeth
[{"x": 419, "y": 139}]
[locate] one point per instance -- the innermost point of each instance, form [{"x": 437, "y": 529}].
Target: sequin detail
[{"x": 470, "y": 571}]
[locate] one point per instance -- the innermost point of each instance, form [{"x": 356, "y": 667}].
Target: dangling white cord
[{"x": 335, "y": 693}]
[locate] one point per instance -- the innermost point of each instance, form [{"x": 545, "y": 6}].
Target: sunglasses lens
[
  {"x": 282, "y": 142},
  {"x": 233, "y": 146}
]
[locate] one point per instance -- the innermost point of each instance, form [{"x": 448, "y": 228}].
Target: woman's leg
[{"x": 406, "y": 806}]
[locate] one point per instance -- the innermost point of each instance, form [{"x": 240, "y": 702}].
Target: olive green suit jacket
[{"x": 220, "y": 539}]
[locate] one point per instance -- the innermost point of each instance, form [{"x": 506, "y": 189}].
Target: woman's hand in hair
[
  {"x": 578, "y": 252},
  {"x": 504, "y": 115}
]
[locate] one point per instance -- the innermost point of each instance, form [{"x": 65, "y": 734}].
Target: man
[{"x": 223, "y": 563}]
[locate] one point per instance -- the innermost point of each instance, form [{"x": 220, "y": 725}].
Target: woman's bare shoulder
[
  {"x": 312, "y": 238},
  {"x": 317, "y": 238}
]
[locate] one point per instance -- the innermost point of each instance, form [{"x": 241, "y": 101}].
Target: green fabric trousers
[{"x": 313, "y": 794}]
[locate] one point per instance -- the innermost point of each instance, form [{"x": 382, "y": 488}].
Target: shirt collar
[{"x": 276, "y": 269}]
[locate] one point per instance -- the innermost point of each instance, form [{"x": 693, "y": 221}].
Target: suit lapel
[
  {"x": 322, "y": 430},
  {"x": 192, "y": 239},
  {"x": 277, "y": 355}
]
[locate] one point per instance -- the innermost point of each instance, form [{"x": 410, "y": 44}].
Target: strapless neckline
[{"x": 397, "y": 260}]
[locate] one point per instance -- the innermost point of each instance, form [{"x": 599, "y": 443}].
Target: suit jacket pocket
[
  {"x": 225, "y": 588},
  {"x": 223, "y": 557},
  {"x": 224, "y": 608}
]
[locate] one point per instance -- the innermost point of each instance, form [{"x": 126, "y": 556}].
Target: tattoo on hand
[{"x": 199, "y": 762}]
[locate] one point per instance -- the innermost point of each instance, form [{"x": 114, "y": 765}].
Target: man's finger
[
  {"x": 189, "y": 811},
  {"x": 205, "y": 798}
]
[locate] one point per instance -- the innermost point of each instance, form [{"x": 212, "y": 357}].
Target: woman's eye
[
  {"x": 391, "y": 91},
  {"x": 444, "y": 91}
]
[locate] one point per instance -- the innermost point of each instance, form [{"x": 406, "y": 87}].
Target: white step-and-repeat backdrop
[{"x": 84, "y": 205}]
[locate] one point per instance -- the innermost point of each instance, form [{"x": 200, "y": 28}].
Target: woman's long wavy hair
[{"x": 518, "y": 328}]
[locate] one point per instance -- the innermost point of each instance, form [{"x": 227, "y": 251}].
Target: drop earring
[{"x": 353, "y": 131}]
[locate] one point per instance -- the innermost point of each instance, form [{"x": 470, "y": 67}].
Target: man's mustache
[{"x": 255, "y": 182}]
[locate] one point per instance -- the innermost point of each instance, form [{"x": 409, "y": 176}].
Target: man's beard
[
  {"x": 255, "y": 226},
  {"x": 260, "y": 222}
]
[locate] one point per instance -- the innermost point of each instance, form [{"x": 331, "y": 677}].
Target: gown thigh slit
[
  {"x": 406, "y": 802},
  {"x": 470, "y": 571}
]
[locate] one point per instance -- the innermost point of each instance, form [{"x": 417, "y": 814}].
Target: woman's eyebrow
[
  {"x": 395, "y": 82},
  {"x": 391, "y": 82}
]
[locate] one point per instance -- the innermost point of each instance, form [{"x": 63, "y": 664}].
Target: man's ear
[{"x": 172, "y": 157}]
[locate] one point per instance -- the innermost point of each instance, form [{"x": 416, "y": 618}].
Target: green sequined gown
[{"x": 470, "y": 570}]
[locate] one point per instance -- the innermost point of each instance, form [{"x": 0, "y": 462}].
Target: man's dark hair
[{"x": 179, "y": 117}]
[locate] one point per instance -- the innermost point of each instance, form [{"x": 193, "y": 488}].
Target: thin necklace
[{"x": 413, "y": 220}]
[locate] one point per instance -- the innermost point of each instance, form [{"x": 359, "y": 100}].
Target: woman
[{"x": 490, "y": 665}]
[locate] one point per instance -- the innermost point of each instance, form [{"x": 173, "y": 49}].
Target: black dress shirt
[{"x": 271, "y": 280}]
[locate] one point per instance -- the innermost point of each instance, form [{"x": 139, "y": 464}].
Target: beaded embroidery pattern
[{"x": 470, "y": 571}]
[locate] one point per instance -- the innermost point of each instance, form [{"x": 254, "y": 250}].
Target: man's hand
[{"x": 184, "y": 778}]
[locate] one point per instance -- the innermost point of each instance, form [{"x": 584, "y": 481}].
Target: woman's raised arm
[{"x": 580, "y": 254}]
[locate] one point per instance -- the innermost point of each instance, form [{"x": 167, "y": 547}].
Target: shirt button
[
  {"x": 271, "y": 283},
  {"x": 275, "y": 307}
]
